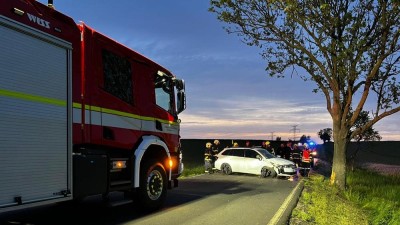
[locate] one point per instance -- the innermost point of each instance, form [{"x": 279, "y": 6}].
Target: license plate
[{"x": 288, "y": 170}]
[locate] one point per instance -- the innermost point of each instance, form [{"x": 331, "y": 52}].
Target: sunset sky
[{"x": 229, "y": 93}]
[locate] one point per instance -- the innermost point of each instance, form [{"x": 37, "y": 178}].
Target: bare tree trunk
[{"x": 338, "y": 175}]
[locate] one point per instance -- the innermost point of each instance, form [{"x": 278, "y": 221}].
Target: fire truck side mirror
[
  {"x": 180, "y": 84},
  {"x": 181, "y": 98}
]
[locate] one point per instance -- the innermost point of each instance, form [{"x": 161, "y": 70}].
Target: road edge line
[{"x": 283, "y": 213}]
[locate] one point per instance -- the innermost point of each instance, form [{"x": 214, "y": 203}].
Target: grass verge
[
  {"x": 370, "y": 198},
  {"x": 192, "y": 169}
]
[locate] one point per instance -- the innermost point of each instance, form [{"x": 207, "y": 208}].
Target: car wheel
[
  {"x": 265, "y": 172},
  {"x": 226, "y": 169},
  {"x": 153, "y": 185},
  {"x": 273, "y": 172}
]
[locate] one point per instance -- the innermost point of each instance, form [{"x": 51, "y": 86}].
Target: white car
[{"x": 253, "y": 161}]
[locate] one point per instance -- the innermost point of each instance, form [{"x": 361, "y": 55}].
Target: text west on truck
[{"x": 81, "y": 114}]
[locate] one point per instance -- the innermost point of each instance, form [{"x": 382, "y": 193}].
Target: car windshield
[{"x": 265, "y": 153}]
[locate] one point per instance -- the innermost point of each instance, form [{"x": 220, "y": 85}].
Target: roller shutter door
[{"x": 34, "y": 116}]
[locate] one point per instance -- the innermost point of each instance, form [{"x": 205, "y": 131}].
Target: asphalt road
[{"x": 205, "y": 199}]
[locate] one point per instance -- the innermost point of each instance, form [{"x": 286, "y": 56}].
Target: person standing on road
[
  {"x": 208, "y": 158},
  {"x": 214, "y": 152},
  {"x": 280, "y": 150},
  {"x": 287, "y": 150},
  {"x": 248, "y": 144},
  {"x": 305, "y": 161},
  {"x": 269, "y": 148},
  {"x": 215, "y": 146},
  {"x": 296, "y": 155},
  {"x": 263, "y": 144}
]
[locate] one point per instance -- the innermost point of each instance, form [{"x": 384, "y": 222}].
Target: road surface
[{"x": 204, "y": 199}]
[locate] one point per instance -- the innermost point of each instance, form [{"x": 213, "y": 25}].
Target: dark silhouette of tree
[
  {"x": 368, "y": 134},
  {"x": 278, "y": 138},
  {"x": 303, "y": 139},
  {"x": 325, "y": 134},
  {"x": 345, "y": 47}
]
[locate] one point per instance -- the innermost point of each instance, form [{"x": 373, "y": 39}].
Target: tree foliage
[
  {"x": 369, "y": 134},
  {"x": 325, "y": 134},
  {"x": 304, "y": 139},
  {"x": 349, "y": 48}
]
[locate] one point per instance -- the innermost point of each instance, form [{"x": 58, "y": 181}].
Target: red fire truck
[{"x": 81, "y": 114}]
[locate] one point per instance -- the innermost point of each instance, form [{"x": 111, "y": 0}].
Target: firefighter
[
  {"x": 287, "y": 150},
  {"x": 280, "y": 150},
  {"x": 215, "y": 146},
  {"x": 208, "y": 158},
  {"x": 269, "y": 148},
  {"x": 295, "y": 155},
  {"x": 214, "y": 152},
  {"x": 305, "y": 160}
]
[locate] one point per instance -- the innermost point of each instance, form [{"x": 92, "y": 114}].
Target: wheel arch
[{"x": 151, "y": 147}]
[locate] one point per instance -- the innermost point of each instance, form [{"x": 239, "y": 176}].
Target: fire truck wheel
[
  {"x": 226, "y": 169},
  {"x": 153, "y": 185}
]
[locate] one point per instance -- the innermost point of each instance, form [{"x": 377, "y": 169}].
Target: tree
[
  {"x": 304, "y": 139},
  {"x": 349, "y": 48},
  {"x": 368, "y": 135},
  {"x": 325, "y": 134}
]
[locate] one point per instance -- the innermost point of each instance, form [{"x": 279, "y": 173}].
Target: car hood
[{"x": 280, "y": 161}]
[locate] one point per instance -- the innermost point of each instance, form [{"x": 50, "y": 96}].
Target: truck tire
[{"x": 153, "y": 185}]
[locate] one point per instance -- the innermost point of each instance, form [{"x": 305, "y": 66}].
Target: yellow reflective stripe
[
  {"x": 120, "y": 113},
  {"x": 76, "y": 105},
  {"x": 32, "y": 98},
  {"x": 56, "y": 102}
]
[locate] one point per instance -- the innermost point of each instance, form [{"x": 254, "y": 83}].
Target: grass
[
  {"x": 192, "y": 169},
  {"x": 369, "y": 199},
  {"x": 378, "y": 194}
]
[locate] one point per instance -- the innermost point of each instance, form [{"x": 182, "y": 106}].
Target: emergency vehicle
[{"x": 80, "y": 114}]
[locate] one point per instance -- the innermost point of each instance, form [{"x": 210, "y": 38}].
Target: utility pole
[
  {"x": 272, "y": 135},
  {"x": 294, "y": 129}
]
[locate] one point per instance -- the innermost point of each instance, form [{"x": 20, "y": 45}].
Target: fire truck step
[{"x": 119, "y": 202}]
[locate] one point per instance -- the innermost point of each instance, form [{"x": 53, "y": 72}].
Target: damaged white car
[{"x": 256, "y": 161}]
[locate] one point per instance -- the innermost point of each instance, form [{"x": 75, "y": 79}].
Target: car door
[
  {"x": 236, "y": 160},
  {"x": 252, "y": 162}
]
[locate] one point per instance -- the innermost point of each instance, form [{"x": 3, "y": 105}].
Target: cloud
[{"x": 254, "y": 118}]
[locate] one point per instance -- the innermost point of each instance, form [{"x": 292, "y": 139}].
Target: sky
[{"x": 229, "y": 93}]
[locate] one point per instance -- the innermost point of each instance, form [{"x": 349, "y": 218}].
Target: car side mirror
[{"x": 259, "y": 157}]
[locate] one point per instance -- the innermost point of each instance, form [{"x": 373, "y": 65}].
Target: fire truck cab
[{"x": 81, "y": 114}]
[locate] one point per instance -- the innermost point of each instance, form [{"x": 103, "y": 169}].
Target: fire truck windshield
[
  {"x": 164, "y": 91},
  {"x": 165, "y": 85}
]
